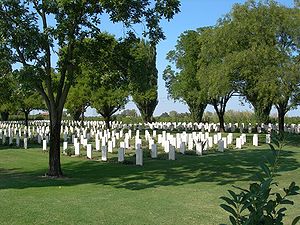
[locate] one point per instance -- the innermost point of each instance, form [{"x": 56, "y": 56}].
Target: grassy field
[{"x": 185, "y": 191}]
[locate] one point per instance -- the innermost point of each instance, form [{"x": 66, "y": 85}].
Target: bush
[
  {"x": 258, "y": 204},
  {"x": 70, "y": 151}
]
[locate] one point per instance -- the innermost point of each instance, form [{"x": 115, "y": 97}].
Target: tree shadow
[{"x": 219, "y": 168}]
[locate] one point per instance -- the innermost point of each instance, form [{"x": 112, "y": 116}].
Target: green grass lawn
[{"x": 185, "y": 191}]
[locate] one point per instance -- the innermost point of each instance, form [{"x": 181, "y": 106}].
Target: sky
[{"x": 194, "y": 14}]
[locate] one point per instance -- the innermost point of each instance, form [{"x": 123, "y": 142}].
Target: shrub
[{"x": 259, "y": 204}]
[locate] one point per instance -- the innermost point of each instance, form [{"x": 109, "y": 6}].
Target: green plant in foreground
[{"x": 260, "y": 204}]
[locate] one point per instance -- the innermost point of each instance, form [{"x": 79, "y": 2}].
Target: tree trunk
[
  {"x": 146, "y": 109},
  {"x": 76, "y": 115},
  {"x": 281, "y": 115},
  {"x": 197, "y": 112},
  {"x": 4, "y": 116},
  {"x": 107, "y": 120},
  {"x": 54, "y": 153},
  {"x": 262, "y": 113},
  {"x": 221, "y": 121},
  {"x": 26, "y": 114}
]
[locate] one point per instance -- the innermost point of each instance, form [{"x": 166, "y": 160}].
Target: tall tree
[
  {"x": 26, "y": 101},
  {"x": 79, "y": 99},
  {"x": 143, "y": 78},
  {"x": 215, "y": 74},
  {"x": 33, "y": 28},
  {"x": 183, "y": 85},
  {"x": 254, "y": 26},
  {"x": 105, "y": 74}
]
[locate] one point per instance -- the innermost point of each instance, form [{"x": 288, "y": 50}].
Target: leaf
[
  {"x": 229, "y": 201},
  {"x": 234, "y": 195},
  {"x": 266, "y": 169},
  {"x": 286, "y": 201},
  {"x": 281, "y": 210},
  {"x": 229, "y": 209},
  {"x": 232, "y": 220},
  {"x": 296, "y": 220}
]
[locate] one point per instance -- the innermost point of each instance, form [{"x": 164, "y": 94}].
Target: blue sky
[{"x": 194, "y": 14}]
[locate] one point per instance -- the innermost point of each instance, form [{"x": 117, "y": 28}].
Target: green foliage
[
  {"x": 260, "y": 204},
  {"x": 70, "y": 151},
  {"x": 104, "y": 79},
  {"x": 143, "y": 77},
  {"x": 266, "y": 36},
  {"x": 183, "y": 85}
]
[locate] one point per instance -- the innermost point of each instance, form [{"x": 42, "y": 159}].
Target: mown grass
[{"x": 184, "y": 191}]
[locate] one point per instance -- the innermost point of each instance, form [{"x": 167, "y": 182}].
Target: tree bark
[
  {"x": 262, "y": 113},
  {"x": 107, "y": 120},
  {"x": 76, "y": 115},
  {"x": 281, "y": 110},
  {"x": 4, "y": 116},
  {"x": 146, "y": 109},
  {"x": 197, "y": 112},
  {"x": 54, "y": 153},
  {"x": 221, "y": 121},
  {"x": 26, "y": 114}
]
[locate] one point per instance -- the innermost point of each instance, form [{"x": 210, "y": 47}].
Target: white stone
[
  {"x": 77, "y": 149},
  {"x": 65, "y": 146},
  {"x": 221, "y": 146},
  {"x": 89, "y": 151},
  {"x": 268, "y": 138},
  {"x": 172, "y": 153},
  {"x": 110, "y": 146},
  {"x": 25, "y": 143},
  {"x": 255, "y": 140},
  {"x": 153, "y": 151},
  {"x": 121, "y": 153},
  {"x": 182, "y": 148},
  {"x": 139, "y": 156},
  {"x": 44, "y": 145},
  {"x": 199, "y": 148},
  {"x": 104, "y": 153},
  {"x": 238, "y": 143}
]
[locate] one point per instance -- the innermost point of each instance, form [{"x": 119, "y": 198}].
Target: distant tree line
[{"x": 252, "y": 52}]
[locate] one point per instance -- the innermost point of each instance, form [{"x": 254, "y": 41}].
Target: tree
[
  {"x": 79, "y": 99},
  {"x": 27, "y": 100},
  {"x": 105, "y": 74},
  {"x": 266, "y": 34},
  {"x": 183, "y": 85},
  {"x": 215, "y": 73},
  {"x": 288, "y": 72},
  {"x": 143, "y": 78},
  {"x": 26, "y": 28},
  {"x": 5, "y": 80}
]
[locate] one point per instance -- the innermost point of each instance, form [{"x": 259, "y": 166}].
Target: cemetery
[
  {"x": 149, "y": 112},
  {"x": 150, "y": 161}
]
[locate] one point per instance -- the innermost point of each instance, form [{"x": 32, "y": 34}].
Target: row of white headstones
[
  {"x": 201, "y": 141},
  {"x": 209, "y": 127},
  {"x": 170, "y": 143}
]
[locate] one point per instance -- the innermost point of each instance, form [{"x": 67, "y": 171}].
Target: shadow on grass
[{"x": 219, "y": 168}]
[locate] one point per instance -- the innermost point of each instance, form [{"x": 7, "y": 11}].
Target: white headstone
[
  {"x": 121, "y": 155},
  {"x": 139, "y": 155},
  {"x": 89, "y": 151},
  {"x": 25, "y": 143},
  {"x": 153, "y": 151},
  {"x": 221, "y": 146},
  {"x": 238, "y": 143},
  {"x": 104, "y": 153},
  {"x": 255, "y": 140},
  {"x": 44, "y": 145},
  {"x": 172, "y": 153},
  {"x": 77, "y": 148}
]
